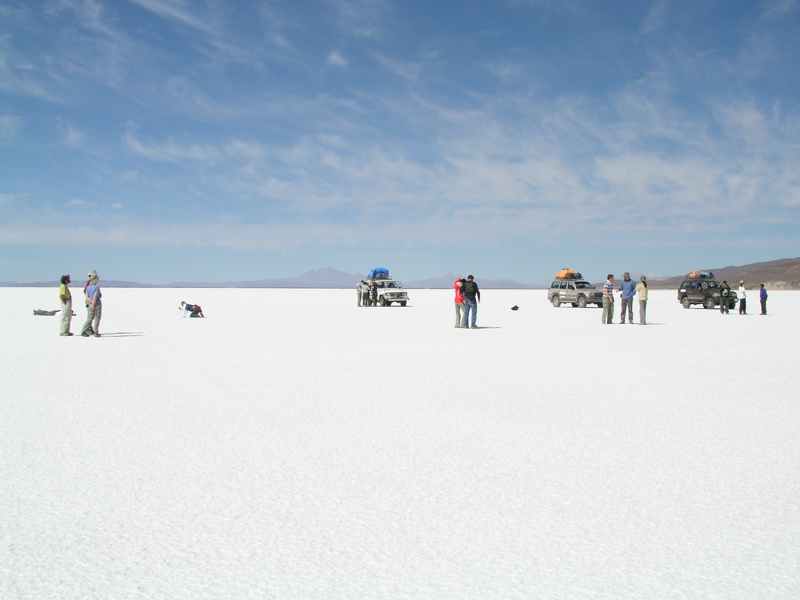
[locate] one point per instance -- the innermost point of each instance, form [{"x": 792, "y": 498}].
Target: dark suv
[
  {"x": 575, "y": 291},
  {"x": 704, "y": 291}
]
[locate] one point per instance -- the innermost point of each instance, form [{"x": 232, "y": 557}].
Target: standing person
[
  {"x": 86, "y": 300},
  {"x": 458, "y": 285},
  {"x": 66, "y": 304},
  {"x": 641, "y": 290},
  {"x": 724, "y": 302},
  {"x": 363, "y": 290},
  {"x": 627, "y": 289},
  {"x": 94, "y": 306},
  {"x": 472, "y": 297},
  {"x": 742, "y": 299},
  {"x": 608, "y": 300},
  {"x": 762, "y": 295},
  {"x": 374, "y": 288}
]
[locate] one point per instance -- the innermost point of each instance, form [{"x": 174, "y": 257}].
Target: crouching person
[{"x": 193, "y": 310}]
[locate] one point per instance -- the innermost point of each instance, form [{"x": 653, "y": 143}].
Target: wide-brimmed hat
[{"x": 93, "y": 274}]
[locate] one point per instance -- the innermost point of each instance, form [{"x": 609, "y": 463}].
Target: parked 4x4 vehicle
[
  {"x": 704, "y": 291},
  {"x": 389, "y": 290},
  {"x": 577, "y": 292}
]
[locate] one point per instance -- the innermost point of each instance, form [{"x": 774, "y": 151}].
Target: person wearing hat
[
  {"x": 742, "y": 299},
  {"x": 641, "y": 291},
  {"x": 627, "y": 289},
  {"x": 94, "y": 306},
  {"x": 66, "y": 305},
  {"x": 724, "y": 302}
]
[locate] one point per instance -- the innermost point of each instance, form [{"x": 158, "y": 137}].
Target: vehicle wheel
[
  {"x": 382, "y": 301},
  {"x": 709, "y": 303},
  {"x": 685, "y": 302},
  {"x": 556, "y": 301},
  {"x": 581, "y": 302},
  {"x": 574, "y": 304},
  {"x": 402, "y": 304}
]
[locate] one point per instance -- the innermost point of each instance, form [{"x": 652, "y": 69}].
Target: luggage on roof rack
[
  {"x": 378, "y": 273},
  {"x": 700, "y": 275},
  {"x": 568, "y": 274}
]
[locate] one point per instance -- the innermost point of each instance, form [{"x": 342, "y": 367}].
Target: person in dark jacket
[
  {"x": 472, "y": 297},
  {"x": 194, "y": 310},
  {"x": 762, "y": 295},
  {"x": 724, "y": 300}
]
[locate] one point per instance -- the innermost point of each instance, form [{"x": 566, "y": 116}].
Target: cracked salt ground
[{"x": 306, "y": 450}]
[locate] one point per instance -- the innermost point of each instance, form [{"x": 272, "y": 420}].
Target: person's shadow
[{"x": 123, "y": 334}]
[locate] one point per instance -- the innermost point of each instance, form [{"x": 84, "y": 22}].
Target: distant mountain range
[{"x": 776, "y": 274}]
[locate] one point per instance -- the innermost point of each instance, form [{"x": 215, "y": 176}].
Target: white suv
[{"x": 390, "y": 291}]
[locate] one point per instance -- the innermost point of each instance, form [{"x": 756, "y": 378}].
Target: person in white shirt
[{"x": 742, "y": 299}]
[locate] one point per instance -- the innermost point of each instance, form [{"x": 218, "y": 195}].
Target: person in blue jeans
[
  {"x": 472, "y": 297},
  {"x": 94, "y": 306},
  {"x": 627, "y": 290}
]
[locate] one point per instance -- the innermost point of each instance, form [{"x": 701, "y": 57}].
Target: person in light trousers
[
  {"x": 66, "y": 305},
  {"x": 459, "y": 300},
  {"x": 641, "y": 291},
  {"x": 94, "y": 306}
]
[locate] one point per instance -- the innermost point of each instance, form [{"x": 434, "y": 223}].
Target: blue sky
[{"x": 212, "y": 140}]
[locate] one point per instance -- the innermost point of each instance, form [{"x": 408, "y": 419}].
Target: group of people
[
  {"x": 627, "y": 290},
  {"x": 92, "y": 299},
  {"x": 467, "y": 298},
  {"x": 725, "y": 291},
  {"x": 367, "y": 293}
]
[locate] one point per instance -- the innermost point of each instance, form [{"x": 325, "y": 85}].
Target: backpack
[{"x": 469, "y": 288}]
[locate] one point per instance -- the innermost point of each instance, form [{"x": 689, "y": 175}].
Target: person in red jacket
[{"x": 458, "y": 286}]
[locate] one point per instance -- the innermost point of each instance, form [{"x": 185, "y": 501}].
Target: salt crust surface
[{"x": 292, "y": 445}]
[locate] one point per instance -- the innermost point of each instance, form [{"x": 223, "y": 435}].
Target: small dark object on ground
[
  {"x": 46, "y": 313},
  {"x": 515, "y": 307}
]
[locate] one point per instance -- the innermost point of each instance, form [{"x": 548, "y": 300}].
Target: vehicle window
[
  {"x": 571, "y": 286},
  {"x": 390, "y": 284},
  {"x": 563, "y": 285},
  {"x": 554, "y": 285},
  {"x": 584, "y": 285}
]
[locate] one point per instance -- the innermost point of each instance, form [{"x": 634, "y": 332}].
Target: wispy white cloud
[
  {"x": 336, "y": 59},
  {"x": 180, "y": 11},
  {"x": 10, "y": 126},
  {"x": 72, "y": 137},
  {"x": 778, "y": 9}
]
